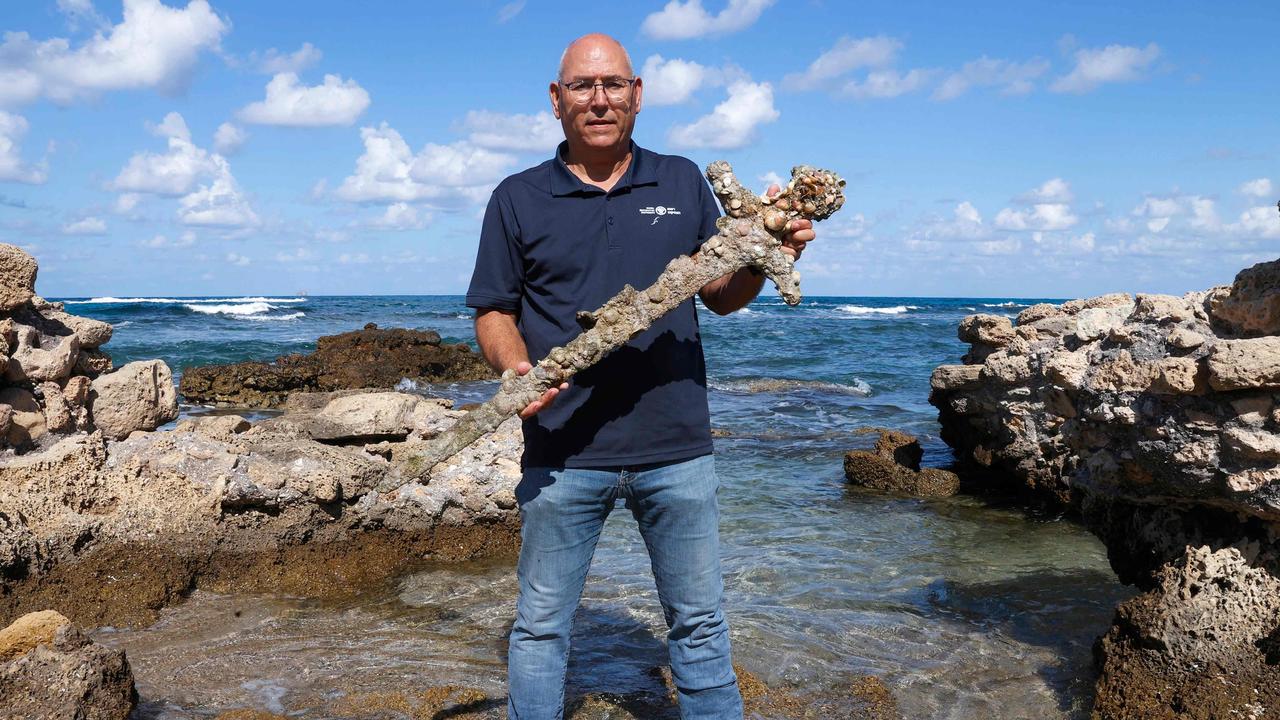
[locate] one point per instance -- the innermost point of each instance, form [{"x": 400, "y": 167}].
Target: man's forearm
[
  {"x": 499, "y": 339},
  {"x": 731, "y": 292}
]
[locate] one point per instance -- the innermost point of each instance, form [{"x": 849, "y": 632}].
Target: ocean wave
[
  {"x": 1009, "y": 304},
  {"x": 783, "y": 385},
  {"x": 249, "y": 308},
  {"x": 864, "y": 310},
  {"x": 109, "y": 300}
]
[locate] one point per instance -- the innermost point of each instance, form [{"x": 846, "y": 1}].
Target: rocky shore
[
  {"x": 369, "y": 358},
  {"x": 1157, "y": 419}
]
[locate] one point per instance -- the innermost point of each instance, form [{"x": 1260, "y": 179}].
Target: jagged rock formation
[
  {"x": 48, "y": 669},
  {"x": 894, "y": 466},
  {"x": 1157, "y": 418},
  {"x": 369, "y": 358},
  {"x": 54, "y": 379},
  {"x": 111, "y": 531}
]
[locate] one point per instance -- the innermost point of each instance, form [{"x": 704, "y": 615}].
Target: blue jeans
[{"x": 562, "y": 512}]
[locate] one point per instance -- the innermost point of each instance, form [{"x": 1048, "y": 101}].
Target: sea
[{"x": 966, "y": 607}]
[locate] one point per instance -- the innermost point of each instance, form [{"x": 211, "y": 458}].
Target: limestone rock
[
  {"x": 1199, "y": 642},
  {"x": 37, "y": 358},
  {"x": 220, "y": 426},
  {"x": 994, "y": 330},
  {"x": 1039, "y": 311},
  {"x": 17, "y": 277},
  {"x": 1093, "y": 323},
  {"x": 355, "y": 417},
  {"x": 1184, "y": 339},
  {"x": 1111, "y": 300},
  {"x": 1251, "y": 306},
  {"x": 137, "y": 396},
  {"x": 26, "y": 417},
  {"x": 57, "y": 413},
  {"x": 894, "y": 466},
  {"x": 1252, "y": 443},
  {"x": 953, "y": 377},
  {"x": 1162, "y": 308},
  {"x": 93, "y": 363},
  {"x": 1245, "y": 364},
  {"x": 48, "y": 669}
]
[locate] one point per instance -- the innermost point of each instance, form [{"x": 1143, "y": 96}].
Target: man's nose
[{"x": 599, "y": 99}]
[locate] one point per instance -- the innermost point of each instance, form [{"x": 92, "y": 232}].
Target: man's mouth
[{"x": 599, "y": 122}]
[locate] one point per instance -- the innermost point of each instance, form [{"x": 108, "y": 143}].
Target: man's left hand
[{"x": 799, "y": 232}]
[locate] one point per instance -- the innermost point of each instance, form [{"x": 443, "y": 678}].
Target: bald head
[{"x": 593, "y": 49}]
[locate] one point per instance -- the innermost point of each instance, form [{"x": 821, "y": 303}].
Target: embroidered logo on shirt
[{"x": 658, "y": 212}]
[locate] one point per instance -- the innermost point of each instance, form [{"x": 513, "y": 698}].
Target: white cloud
[
  {"x": 336, "y": 102},
  {"x": 85, "y": 226},
  {"x": 12, "y": 168},
  {"x": 1263, "y": 222},
  {"x": 229, "y": 138},
  {"x": 508, "y": 12},
  {"x": 1054, "y": 190},
  {"x": 172, "y": 173},
  {"x": 154, "y": 46},
  {"x": 353, "y": 258},
  {"x": 846, "y": 55},
  {"x": 1259, "y": 188},
  {"x": 1044, "y": 216},
  {"x": 771, "y": 178},
  {"x": 187, "y": 239},
  {"x": 1000, "y": 246},
  {"x": 126, "y": 203},
  {"x": 1013, "y": 78},
  {"x": 540, "y": 132},
  {"x": 671, "y": 82},
  {"x": 220, "y": 203},
  {"x": 274, "y": 62},
  {"x": 238, "y": 259},
  {"x": 686, "y": 19},
  {"x": 444, "y": 175},
  {"x": 1111, "y": 64},
  {"x": 732, "y": 124},
  {"x": 882, "y": 84},
  {"x": 179, "y": 172},
  {"x": 402, "y": 216}
]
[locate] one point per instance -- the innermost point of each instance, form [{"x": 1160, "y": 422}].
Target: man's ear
[
  {"x": 639, "y": 93},
  {"x": 554, "y": 92}
]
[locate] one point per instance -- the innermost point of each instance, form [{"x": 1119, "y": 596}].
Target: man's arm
[{"x": 504, "y": 349}]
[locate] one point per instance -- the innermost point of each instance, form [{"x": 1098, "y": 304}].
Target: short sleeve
[
  {"x": 709, "y": 210},
  {"x": 498, "y": 279}
]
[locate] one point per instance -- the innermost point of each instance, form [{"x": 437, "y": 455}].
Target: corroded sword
[{"x": 750, "y": 234}]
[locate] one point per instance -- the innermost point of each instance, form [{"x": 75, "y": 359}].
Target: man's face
[{"x": 597, "y": 121}]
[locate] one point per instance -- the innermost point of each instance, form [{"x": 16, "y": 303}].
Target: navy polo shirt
[{"x": 552, "y": 245}]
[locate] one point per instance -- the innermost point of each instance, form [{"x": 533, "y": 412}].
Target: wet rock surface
[
  {"x": 369, "y": 358},
  {"x": 894, "y": 466},
  {"x": 1156, "y": 418},
  {"x": 48, "y": 669}
]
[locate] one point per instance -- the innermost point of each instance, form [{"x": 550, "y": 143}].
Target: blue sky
[{"x": 992, "y": 149}]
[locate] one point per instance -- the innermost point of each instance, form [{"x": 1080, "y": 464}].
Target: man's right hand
[{"x": 548, "y": 397}]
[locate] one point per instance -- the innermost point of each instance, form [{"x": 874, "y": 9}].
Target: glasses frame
[{"x": 582, "y": 96}]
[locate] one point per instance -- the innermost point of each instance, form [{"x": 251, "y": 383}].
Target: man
[{"x": 566, "y": 236}]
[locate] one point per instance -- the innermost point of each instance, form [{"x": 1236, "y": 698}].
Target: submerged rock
[
  {"x": 894, "y": 466},
  {"x": 1159, "y": 423},
  {"x": 48, "y": 669},
  {"x": 370, "y": 358}
]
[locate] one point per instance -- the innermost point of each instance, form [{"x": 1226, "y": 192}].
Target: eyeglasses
[{"x": 615, "y": 89}]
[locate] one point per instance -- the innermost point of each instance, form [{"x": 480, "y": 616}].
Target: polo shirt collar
[{"x": 564, "y": 182}]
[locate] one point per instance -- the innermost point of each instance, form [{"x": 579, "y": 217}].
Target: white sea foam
[
  {"x": 184, "y": 301},
  {"x": 249, "y": 308},
  {"x": 1009, "y": 304},
  {"x": 864, "y": 310}
]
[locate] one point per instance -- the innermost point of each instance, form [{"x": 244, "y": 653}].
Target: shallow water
[{"x": 965, "y": 610}]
